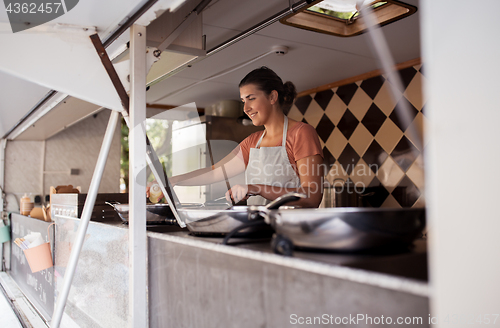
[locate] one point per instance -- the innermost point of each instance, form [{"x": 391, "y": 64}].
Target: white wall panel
[{"x": 462, "y": 68}]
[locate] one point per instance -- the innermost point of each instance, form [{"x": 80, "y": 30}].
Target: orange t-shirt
[{"x": 301, "y": 141}]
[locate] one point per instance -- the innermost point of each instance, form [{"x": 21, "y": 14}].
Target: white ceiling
[
  {"x": 313, "y": 59},
  {"x": 17, "y": 96},
  {"x": 59, "y": 55}
]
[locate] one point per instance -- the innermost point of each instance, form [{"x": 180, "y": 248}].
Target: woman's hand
[
  {"x": 148, "y": 186},
  {"x": 237, "y": 193}
]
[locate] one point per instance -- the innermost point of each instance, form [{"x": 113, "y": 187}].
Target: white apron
[{"x": 270, "y": 166}]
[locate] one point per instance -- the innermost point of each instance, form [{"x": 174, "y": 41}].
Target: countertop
[
  {"x": 408, "y": 263},
  {"x": 198, "y": 282}
]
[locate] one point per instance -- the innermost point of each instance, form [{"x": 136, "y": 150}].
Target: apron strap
[
  {"x": 285, "y": 130},
  {"x": 260, "y": 140}
]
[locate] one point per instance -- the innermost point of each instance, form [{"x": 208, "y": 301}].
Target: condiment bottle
[
  {"x": 26, "y": 205},
  {"x": 155, "y": 194}
]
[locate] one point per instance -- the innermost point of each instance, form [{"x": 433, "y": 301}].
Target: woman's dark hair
[{"x": 265, "y": 79}]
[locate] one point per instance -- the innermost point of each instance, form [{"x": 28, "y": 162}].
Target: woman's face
[{"x": 257, "y": 105}]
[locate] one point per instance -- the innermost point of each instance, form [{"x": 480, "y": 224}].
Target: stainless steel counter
[
  {"x": 407, "y": 263},
  {"x": 197, "y": 282}
]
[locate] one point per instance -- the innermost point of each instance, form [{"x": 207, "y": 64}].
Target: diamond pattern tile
[
  {"x": 380, "y": 193},
  {"x": 304, "y": 121},
  {"x": 295, "y": 114},
  {"x": 375, "y": 182},
  {"x": 336, "y": 143},
  {"x": 406, "y": 193},
  {"x": 361, "y": 139},
  {"x": 348, "y": 159},
  {"x": 365, "y": 142},
  {"x": 389, "y": 173},
  {"x": 418, "y": 127},
  {"x": 375, "y": 156},
  {"x": 362, "y": 175},
  {"x": 348, "y": 123},
  {"x": 329, "y": 159},
  {"x": 420, "y": 203},
  {"x": 390, "y": 202},
  {"x": 405, "y": 153},
  {"x": 302, "y": 103},
  {"x": 373, "y": 119},
  {"x": 360, "y": 103},
  {"x": 388, "y": 136},
  {"x": 314, "y": 114},
  {"x": 383, "y": 99},
  {"x": 406, "y": 75},
  {"x": 395, "y": 117},
  {"x": 416, "y": 173},
  {"x": 322, "y": 144},
  {"x": 335, "y": 109},
  {"x": 414, "y": 91},
  {"x": 346, "y": 92},
  {"x": 372, "y": 85},
  {"x": 390, "y": 188},
  {"x": 325, "y": 128},
  {"x": 323, "y": 98},
  {"x": 336, "y": 172}
]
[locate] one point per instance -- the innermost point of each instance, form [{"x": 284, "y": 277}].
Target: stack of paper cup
[{"x": 37, "y": 252}]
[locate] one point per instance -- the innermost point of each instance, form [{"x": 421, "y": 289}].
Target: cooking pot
[
  {"x": 212, "y": 220},
  {"x": 341, "y": 193},
  {"x": 344, "y": 228}
]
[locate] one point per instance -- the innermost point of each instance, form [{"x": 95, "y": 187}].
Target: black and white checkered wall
[{"x": 363, "y": 140}]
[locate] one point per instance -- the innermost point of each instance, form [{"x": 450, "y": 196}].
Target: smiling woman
[
  {"x": 285, "y": 157},
  {"x": 286, "y": 148}
]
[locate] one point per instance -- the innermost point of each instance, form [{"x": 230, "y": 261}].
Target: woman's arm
[
  {"x": 311, "y": 172},
  {"x": 233, "y": 164}
]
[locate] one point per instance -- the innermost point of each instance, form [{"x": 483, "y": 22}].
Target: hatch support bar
[{"x": 110, "y": 69}]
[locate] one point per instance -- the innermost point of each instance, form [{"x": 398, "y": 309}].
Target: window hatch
[{"x": 340, "y": 17}]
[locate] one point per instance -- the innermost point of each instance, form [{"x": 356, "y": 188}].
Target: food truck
[{"x": 102, "y": 100}]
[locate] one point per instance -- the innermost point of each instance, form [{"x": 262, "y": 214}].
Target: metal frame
[
  {"x": 138, "y": 305},
  {"x": 85, "y": 219}
]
